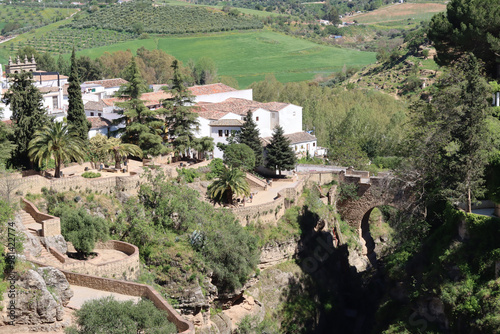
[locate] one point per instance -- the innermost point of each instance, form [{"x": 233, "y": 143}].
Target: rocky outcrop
[
  {"x": 40, "y": 297},
  {"x": 31, "y": 243},
  {"x": 277, "y": 252},
  {"x": 57, "y": 242}
]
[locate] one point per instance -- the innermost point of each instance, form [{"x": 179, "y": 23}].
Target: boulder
[
  {"x": 57, "y": 242},
  {"x": 55, "y": 278}
]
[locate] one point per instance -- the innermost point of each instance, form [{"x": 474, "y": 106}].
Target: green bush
[
  {"x": 91, "y": 175},
  {"x": 216, "y": 168},
  {"x": 187, "y": 174},
  {"x": 107, "y": 315},
  {"x": 81, "y": 229}
]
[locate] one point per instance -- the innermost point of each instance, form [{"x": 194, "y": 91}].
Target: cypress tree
[
  {"x": 143, "y": 127},
  {"x": 76, "y": 112},
  {"x": 250, "y": 136},
  {"x": 279, "y": 153},
  {"x": 180, "y": 120},
  {"x": 28, "y": 115}
]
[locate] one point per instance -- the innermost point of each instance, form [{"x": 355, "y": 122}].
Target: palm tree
[
  {"x": 231, "y": 182},
  {"x": 121, "y": 150},
  {"x": 58, "y": 141}
]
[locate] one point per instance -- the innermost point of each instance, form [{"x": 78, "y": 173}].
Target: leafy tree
[
  {"x": 82, "y": 229},
  {"x": 205, "y": 71},
  {"x": 468, "y": 26},
  {"x": 63, "y": 66},
  {"x": 143, "y": 127},
  {"x": 96, "y": 150},
  {"x": 180, "y": 121},
  {"x": 239, "y": 156},
  {"x": 28, "y": 115},
  {"x": 58, "y": 141},
  {"x": 450, "y": 138},
  {"x": 279, "y": 153},
  {"x": 121, "y": 150},
  {"x": 231, "y": 182},
  {"x": 107, "y": 315},
  {"x": 89, "y": 69},
  {"x": 76, "y": 112},
  {"x": 203, "y": 145},
  {"x": 6, "y": 146},
  {"x": 250, "y": 136}
]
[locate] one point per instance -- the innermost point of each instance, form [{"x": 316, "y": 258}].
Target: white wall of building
[
  {"x": 94, "y": 132},
  {"x": 216, "y": 132},
  {"x": 262, "y": 118},
  {"x": 303, "y": 148},
  {"x": 219, "y": 97},
  {"x": 203, "y": 128},
  {"x": 290, "y": 119}
]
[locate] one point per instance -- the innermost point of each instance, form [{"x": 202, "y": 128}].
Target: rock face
[
  {"x": 31, "y": 243},
  {"x": 274, "y": 253},
  {"x": 40, "y": 296},
  {"x": 57, "y": 242}
]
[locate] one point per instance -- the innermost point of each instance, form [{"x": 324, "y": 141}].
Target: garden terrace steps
[
  {"x": 30, "y": 223},
  {"x": 47, "y": 258},
  {"x": 255, "y": 182}
]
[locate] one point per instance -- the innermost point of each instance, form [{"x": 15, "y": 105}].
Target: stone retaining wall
[
  {"x": 127, "y": 268},
  {"x": 51, "y": 226},
  {"x": 130, "y": 289}
]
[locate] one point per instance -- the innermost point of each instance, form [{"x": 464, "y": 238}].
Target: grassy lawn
[{"x": 250, "y": 56}]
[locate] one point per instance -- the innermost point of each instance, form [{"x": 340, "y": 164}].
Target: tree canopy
[
  {"x": 250, "y": 136},
  {"x": 468, "y": 26},
  {"x": 28, "y": 114},
  {"x": 239, "y": 156},
  {"x": 76, "y": 112},
  {"x": 279, "y": 153}
]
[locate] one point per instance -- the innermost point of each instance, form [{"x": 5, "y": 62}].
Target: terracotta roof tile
[
  {"x": 97, "y": 106},
  {"x": 150, "y": 99},
  {"x": 210, "y": 89},
  {"x": 227, "y": 122},
  {"x": 241, "y": 106},
  {"x": 108, "y": 83},
  {"x": 98, "y": 122},
  {"x": 295, "y": 138}
]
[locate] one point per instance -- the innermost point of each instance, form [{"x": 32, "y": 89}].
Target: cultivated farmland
[
  {"x": 397, "y": 14},
  {"x": 250, "y": 56}
]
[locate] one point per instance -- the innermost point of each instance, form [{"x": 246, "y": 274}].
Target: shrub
[
  {"x": 107, "y": 315},
  {"x": 81, "y": 229},
  {"x": 91, "y": 175}
]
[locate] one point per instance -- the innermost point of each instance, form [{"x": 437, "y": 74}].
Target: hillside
[{"x": 139, "y": 17}]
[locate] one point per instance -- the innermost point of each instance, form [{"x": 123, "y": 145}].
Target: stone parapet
[
  {"x": 130, "y": 289},
  {"x": 51, "y": 226}
]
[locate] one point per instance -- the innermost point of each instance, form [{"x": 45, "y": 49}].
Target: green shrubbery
[
  {"x": 107, "y": 315},
  {"x": 91, "y": 175}
]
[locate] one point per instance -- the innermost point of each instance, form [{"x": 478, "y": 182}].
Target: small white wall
[
  {"x": 219, "y": 97},
  {"x": 6, "y": 112},
  {"x": 214, "y": 133},
  {"x": 263, "y": 122},
  {"x": 111, "y": 91},
  {"x": 231, "y": 115},
  {"x": 204, "y": 128},
  {"x": 302, "y": 148},
  {"x": 290, "y": 119},
  {"x": 94, "y": 132}
]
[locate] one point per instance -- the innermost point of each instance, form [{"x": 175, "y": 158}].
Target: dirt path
[{"x": 83, "y": 294}]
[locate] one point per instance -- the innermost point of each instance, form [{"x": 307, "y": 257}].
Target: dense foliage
[
  {"x": 280, "y": 155},
  {"x": 76, "y": 112},
  {"x": 107, "y": 315},
  {"x": 239, "y": 156},
  {"x": 468, "y": 26},
  {"x": 81, "y": 228},
  {"x": 139, "y": 17}
]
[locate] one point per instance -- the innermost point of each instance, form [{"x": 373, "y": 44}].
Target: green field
[
  {"x": 399, "y": 14},
  {"x": 32, "y": 16},
  {"x": 250, "y": 56}
]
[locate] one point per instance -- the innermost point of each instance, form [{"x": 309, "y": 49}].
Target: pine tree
[
  {"x": 143, "y": 127},
  {"x": 250, "y": 136},
  {"x": 279, "y": 153},
  {"x": 180, "y": 121},
  {"x": 28, "y": 115},
  {"x": 450, "y": 142},
  {"x": 76, "y": 112}
]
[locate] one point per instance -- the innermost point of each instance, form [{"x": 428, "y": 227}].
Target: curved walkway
[{"x": 83, "y": 294}]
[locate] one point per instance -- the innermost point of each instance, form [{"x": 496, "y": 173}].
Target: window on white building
[
  {"x": 227, "y": 133},
  {"x": 314, "y": 144},
  {"x": 220, "y": 133},
  {"x": 91, "y": 113},
  {"x": 257, "y": 118}
]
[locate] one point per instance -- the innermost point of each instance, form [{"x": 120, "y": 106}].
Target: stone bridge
[{"x": 372, "y": 191}]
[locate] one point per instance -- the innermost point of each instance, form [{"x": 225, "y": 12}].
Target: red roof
[
  {"x": 240, "y": 106},
  {"x": 98, "y": 122},
  {"x": 210, "y": 89},
  {"x": 108, "y": 83}
]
